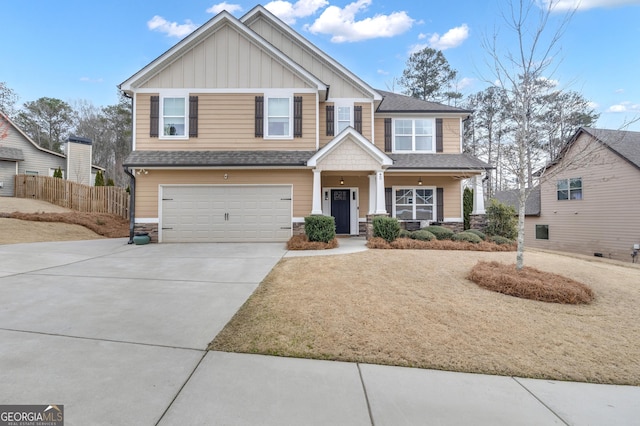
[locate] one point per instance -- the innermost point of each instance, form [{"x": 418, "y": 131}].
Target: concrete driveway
[{"x": 113, "y": 331}]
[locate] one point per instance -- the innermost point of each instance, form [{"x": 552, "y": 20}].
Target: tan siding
[
  {"x": 79, "y": 163},
  {"x": 341, "y": 87},
  {"x": 226, "y": 122},
  {"x": 451, "y": 136},
  {"x": 605, "y": 221},
  {"x": 452, "y": 189},
  {"x": 147, "y": 185},
  {"x": 226, "y": 59},
  {"x": 366, "y": 119},
  {"x": 324, "y": 139},
  {"x": 378, "y": 124}
]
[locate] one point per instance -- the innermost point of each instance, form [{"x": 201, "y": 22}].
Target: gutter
[{"x": 132, "y": 203}]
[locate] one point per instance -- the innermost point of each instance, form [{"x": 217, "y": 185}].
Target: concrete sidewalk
[{"x": 118, "y": 333}]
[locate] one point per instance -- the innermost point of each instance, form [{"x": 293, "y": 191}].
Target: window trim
[
  {"x": 280, "y": 95},
  {"x": 161, "y": 116},
  {"x": 434, "y": 204},
  {"x": 342, "y": 104},
  {"x": 569, "y": 190},
  {"x": 413, "y": 135}
]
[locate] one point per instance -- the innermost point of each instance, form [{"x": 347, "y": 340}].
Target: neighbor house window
[
  {"x": 344, "y": 118},
  {"x": 414, "y": 203},
  {"x": 174, "y": 117},
  {"x": 278, "y": 117},
  {"x": 30, "y": 172},
  {"x": 542, "y": 232},
  {"x": 413, "y": 135},
  {"x": 570, "y": 189}
]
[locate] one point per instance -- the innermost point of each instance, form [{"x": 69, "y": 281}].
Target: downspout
[{"x": 132, "y": 203}]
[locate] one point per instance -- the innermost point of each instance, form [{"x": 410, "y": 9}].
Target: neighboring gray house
[
  {"x": 21, "y": 155},
  {"x": 589, "y": 199}
]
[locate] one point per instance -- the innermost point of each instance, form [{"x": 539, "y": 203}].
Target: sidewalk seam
[
  {"x": 181, "y": 387},
  {"x": 539, "y": 400},
  {"x": 366, "y": 396}
]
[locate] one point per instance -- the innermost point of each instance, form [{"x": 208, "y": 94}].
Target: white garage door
[{"x": 206, "y": 213}]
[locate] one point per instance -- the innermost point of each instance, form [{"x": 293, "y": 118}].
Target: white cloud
[
  {"x": 619, "y": 91},
  {"x": 172, "y": 29},
  {"x": 231, "y": 8},
  {"x": 341, "y": 24},
  {"x": 383, "y": 72},
  {"x": 422, "y": 36},
  {"x": 465, "y": 82},
  {"x": 565, "y": 5},
  {"x": 624, "y": 107},
  {"x": 452, "y": 38},
  {"x": 593, "y": 105},
  {"x": 91, "y": 80},
  {"x": 289, "y": 12}
]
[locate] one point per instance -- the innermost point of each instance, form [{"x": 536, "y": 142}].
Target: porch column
[
  {"x": 316, "y": 207},
  {"x": 380, "y": 199},
  {"x": 478, "y": 196},
  {"x": 372, "y": 194}
]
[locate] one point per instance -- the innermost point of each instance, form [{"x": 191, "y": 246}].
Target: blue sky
[{"x": 81, "y": 50}]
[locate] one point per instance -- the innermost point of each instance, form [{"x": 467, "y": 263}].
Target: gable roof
[
  {"x": 25, "y": 136},
  {"x": 204, "y": 31},
  {"x": 624, "y": 143},
  {"x": 350, "y": 134},
  {"x": 260, "y": 11},
  {"x": 394, "y": 102},
  {"x": 510, "y": 198}
]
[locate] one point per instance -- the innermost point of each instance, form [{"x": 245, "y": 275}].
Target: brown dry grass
[
  {"x": 416, "y": 308},
  {"x": 301, "y": 242},
  {"x": 410, "y": 244},
  {"x": 107, "y": 225},
  {"x": 530, "y": 283}
]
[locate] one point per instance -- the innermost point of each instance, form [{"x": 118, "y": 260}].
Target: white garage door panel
[{"x": 226, "y": 213}]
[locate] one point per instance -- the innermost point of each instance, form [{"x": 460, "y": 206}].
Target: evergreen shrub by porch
[
  {"x": 423, "y": 235},
  {"x": 387, "y": 228},
  {"x": 440, "y": 232},
  {"x": 320, "y": 228},
  {"x": 405, "y": 234},
  {"x": 467, "y": 236},
  {"x": 480, "y": 234},
  {"x": 501, "y": 220},
  {"x": 500, "y": 240}
]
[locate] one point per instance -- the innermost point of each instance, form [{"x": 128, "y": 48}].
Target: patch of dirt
[
  {"x": 107, "y": 225},
  {"x": 14, "y": 231},
  {"x": 417, "y": 308},
  {"x": 301, "y": 242}
]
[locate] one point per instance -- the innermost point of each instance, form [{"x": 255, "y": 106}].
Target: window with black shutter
[
  {"x": 154, "y": 116},
  {"x": 440, "y": 204},
  {"x": 259, "y": 116},
  {"x": 193, "y": 116},
  {"x": 439, "y": 142},
  {"x": 297, "y": 116},
  {"x": 357, "y": 118},
  {"x": 388, "y": 142},
  {"x": 330, "y": 120}
]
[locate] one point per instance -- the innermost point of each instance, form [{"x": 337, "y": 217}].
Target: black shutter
[
  {"x": 193, "y": 116},
  {"x": 297, "y": 116},
  {"x": 439, "y": 147},
  {"x": 388, "y": 200},
  {"x": 357, "y": 118},
  {"x": 440, "y": 204},
  {"x": 259, "y": 116},
  {"x": 388, "y": 146},
  {"x": 154, "y": 117},
  {"x": 330, "y": 120}
]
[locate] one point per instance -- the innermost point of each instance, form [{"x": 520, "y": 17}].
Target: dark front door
[{"x": 341, "y": 210}]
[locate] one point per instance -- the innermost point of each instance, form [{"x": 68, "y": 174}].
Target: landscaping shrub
[
  {"x": 387, "y": 228},
  {"x": 501, "y": 220},
  {"x": 440, "y": 232},
  {"x": 99, "y": 179},
  {"x": 497, "y": 239},
  {"x": 467, "y": 206},
  {"x": 467, "y": 236},
  {"x": 58, "y": 173},
  {"x": 530, "y": 283},
  {"x": 423, "y": 235},
  {"x": 320, "y": 228},
  {"x": 404, "y": 234},
  {"x": 480, "y": 234},
  {"x": 409, "y": 243}
]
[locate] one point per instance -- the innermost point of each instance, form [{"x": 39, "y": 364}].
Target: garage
[{"x": 225, "y": 213}]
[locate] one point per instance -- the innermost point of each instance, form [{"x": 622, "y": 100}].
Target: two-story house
[{"x": 244, "y": 127}]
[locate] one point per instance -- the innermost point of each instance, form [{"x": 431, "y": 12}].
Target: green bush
[
  {"x": 387, "y": 228},
  {"x": 320, "y": 228},
  {"x": 110, "y": 182},
  {"x": 99, "y": 179},
  {"x": 423, "y": 235},
  {"x": 467, "y": 236},
  {"x": 57, "y": 173},
  {"x": 500, "y": 240},
  {"x": 480, "y": 234},
  {"x": 440, "y": 232},
  {"x": 404, "y": 234},
  {"x": 467, "y": 206},
  {"x": 501, "y": 220}
]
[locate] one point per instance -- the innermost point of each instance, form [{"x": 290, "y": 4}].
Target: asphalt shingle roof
[
  {"x": 437, "y": 161},
  {"x": 394, "y": 102},
  {"x": 625, "y": 143},
  {"x": 13, "y": 154},
  {"x": 510, "y": 198},
  {"x": 217, "y": 158}
]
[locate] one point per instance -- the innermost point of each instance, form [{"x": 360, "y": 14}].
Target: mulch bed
[{"x": 410, "y": 244}]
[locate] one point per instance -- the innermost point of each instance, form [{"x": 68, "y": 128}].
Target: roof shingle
[
  {"x": 217, "y": 158},
  {"x": 394, "y": 102}
]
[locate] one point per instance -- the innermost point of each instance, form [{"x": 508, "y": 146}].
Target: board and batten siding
[
  {"x": 147, "y": 185},
  {"x": 341, "y": 87},
  {"x": 226, "y": 122},
  {"x": 450, "y": 134},
  {"x": 605, "y": 221},
  {"x": 226, "y": 59}
]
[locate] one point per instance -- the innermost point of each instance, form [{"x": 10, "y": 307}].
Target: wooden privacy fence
[{"x": 72, "y": 195}]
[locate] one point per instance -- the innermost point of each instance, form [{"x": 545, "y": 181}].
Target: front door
[{"x": 341, "y": 210}]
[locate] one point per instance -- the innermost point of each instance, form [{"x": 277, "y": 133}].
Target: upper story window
[
  {"x": 174, "y": 117},
  {"x": 413, "y": 135},
  {"x": 279, "y": 120},
  {"x": 569, "y": 189}
]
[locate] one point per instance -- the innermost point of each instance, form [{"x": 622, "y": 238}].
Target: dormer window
[{"x": 344, "y": 118}]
